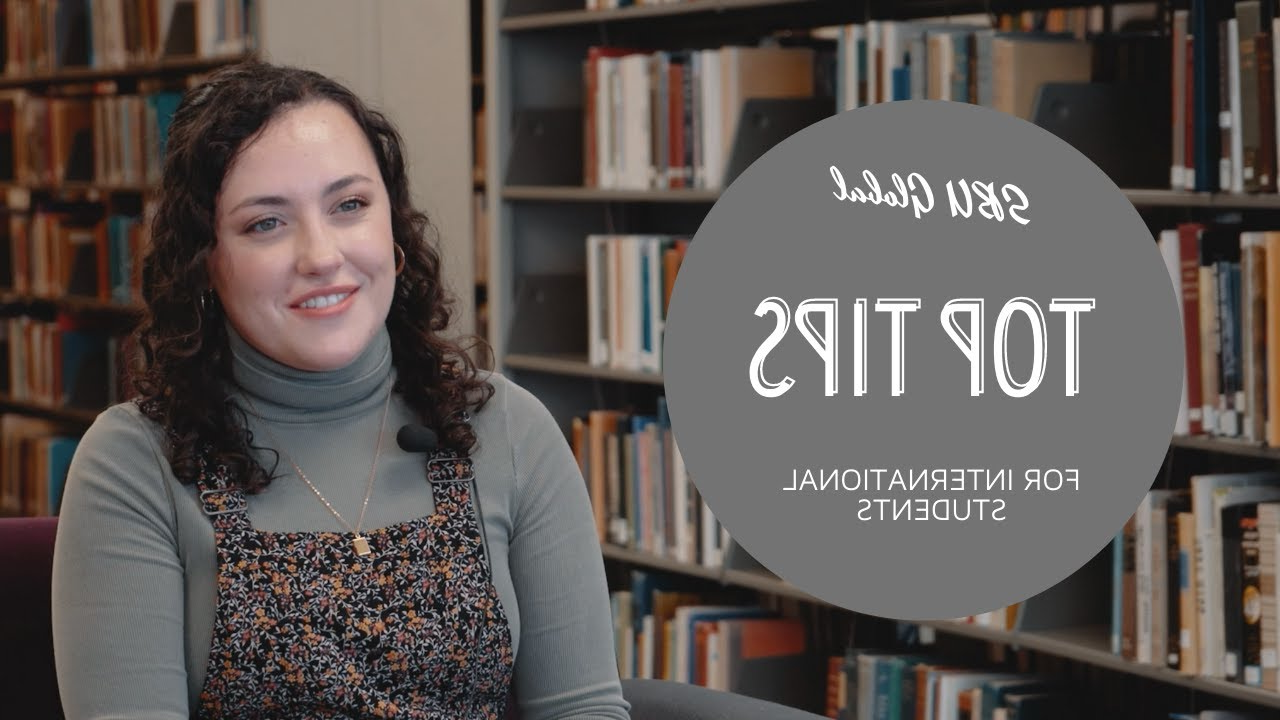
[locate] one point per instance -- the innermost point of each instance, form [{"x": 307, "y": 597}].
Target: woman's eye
[
  {"x": 264, "y": 225},
  {"x": 351, "y": 205}
]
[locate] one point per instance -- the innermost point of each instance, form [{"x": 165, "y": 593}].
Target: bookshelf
[
  {"x": 73, "y": 203},
  {"x": 540, "y": 209},
  {"x": 1142, "y": 198},
  {"x": 1088, "y": 644},
  {"x": 169, "y": 66},
  {"x": 378, "y": 55}
]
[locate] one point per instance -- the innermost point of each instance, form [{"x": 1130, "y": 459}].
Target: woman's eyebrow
[{"x": 279, "y": 201}]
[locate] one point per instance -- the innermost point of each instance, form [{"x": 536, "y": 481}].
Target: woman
[{"x": 248, "y": 538}]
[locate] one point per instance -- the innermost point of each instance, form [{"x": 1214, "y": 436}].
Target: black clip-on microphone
[{"x": 417, "y": 439}]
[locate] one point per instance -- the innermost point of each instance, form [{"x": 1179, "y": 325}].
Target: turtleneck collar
[{"x": 286, "y": 394}]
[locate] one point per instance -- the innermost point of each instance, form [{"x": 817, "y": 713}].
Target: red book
[{"x": 1189, "y": 272}]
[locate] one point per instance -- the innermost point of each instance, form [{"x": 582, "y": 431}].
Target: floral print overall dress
[{"x": 305, "y": 627}]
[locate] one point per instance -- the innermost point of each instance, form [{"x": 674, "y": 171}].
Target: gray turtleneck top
[{"x": 135, "y": 570}]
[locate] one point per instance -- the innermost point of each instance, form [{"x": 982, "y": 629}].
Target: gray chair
[{"x": 666, "y": 700}]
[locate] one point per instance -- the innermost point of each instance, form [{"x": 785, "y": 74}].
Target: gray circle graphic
[{"x": 826, "y": 339}]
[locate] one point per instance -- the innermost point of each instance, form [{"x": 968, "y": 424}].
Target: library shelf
[
  {"x": 72, "y": 303},
  {"x": 1225, "y": 446},
  {"x": 539, "y": 211},
  {"x": 570, "y": 18},
  {"x": 577, "y": 366},
  {"x": 1092, "y": 645},
  {"x": 1183, "y": 199},
  {"x": 78, "y": 187},
  {"x": 657, "y": 562},
  {"x": 1140, "y": 197},
  {"x": 1089, "y": 644},
  {"x": 172, "y": 65},
  {"x": 75, "y": 416},
  {"x": 558, "y": 193}
]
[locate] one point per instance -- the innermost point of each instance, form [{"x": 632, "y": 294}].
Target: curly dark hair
[{"x": 182, "y": 337}]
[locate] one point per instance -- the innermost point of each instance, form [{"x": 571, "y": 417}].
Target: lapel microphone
[{"x": 417, "y": 439}]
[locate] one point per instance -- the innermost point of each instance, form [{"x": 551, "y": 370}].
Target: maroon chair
[{"x": 28, "y": 681}]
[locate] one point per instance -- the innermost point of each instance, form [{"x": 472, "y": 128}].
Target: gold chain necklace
[{"x": 359, "y": 542}]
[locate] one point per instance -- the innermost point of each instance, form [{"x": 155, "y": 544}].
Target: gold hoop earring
[{"x": 400, "y": 258}]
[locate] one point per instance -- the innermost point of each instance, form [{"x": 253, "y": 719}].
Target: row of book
[
  {"x": 61, "y": 364},
  {"x": 1194, "y": 579},
  {"x": 880, "y": 61},
  {"x": 72, "y": 249},
  {"x": 666, "y": 633},
  {"x": 629, "y": 284},
  {"x": 1224, "y": 279},
  {"x": 44, "y": 36},
  {"x": 875, "y": 685},
  {"x": 664, "y": 630},
  {"x": 888, "y": 685},
  {"x": 998, "y": 62},
  {"x": 667, "y": 119},
  {"x": 616, "y": 4},
  {"x": 34, "y": 457},
  {"x": 1224, "y": 96},
  {"x": 107, "y": 139},
  {"x": 640, "y": 490}
]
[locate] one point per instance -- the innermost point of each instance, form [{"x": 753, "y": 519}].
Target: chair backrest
[
  {"x": 669, "y": 700},
  {"x": 666, "y": 700},
  {"x": 28, "y": 681}
]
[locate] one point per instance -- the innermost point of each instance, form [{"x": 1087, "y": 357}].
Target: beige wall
[{"x": 411, "y": 59}]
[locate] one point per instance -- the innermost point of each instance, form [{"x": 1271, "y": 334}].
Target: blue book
[
  {"x": 902, "y": 83},
  {"x": 61, "y": 450},
  {"x": 164, "y": 104},
  {"x": 689, "y": 616}
]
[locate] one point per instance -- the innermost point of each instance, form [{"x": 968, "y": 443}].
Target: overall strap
[
  {"x": 453, "y": 475},
  {"x": 219, "y": 498}
]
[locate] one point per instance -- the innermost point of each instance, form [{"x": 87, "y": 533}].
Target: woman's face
[{"x": 304, "y": 265}]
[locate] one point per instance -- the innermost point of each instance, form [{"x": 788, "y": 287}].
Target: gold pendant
[{"x": 362, "y": 546}]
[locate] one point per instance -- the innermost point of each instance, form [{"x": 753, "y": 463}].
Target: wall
[{"x": 410, "y": 59}]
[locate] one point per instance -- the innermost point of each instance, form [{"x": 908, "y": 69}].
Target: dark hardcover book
[
  {"x": 1035, "y": 706},
  {"x": 8, "y": 112},
  {"x": 994, "y": 692},
  {"x": 1228, "y": 360},
  {"x": 1218, "y": 244},
  {"x": 1174, "y": 577},
  {"x": 1249, "y": 25},
  {"x": 1190, "y": 128},
  {"x": 84, "y": 369},
  {"x": 1225, "y": 118},
  {"x": 82, "y": 274},
  {"x": 1189, "y": 273},
  {"x": 71, "y": 33},
  {"x": 1129, "y": 592},
  {"x": 1251, "y": 598},
  {"x": 1254, "y": 309},
  {"x": 1267, "y": 105},
  {"x": 1233, "y": 587},
  {"x": 1205, "y": 15}
]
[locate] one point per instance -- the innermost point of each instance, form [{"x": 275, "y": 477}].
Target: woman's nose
[{"x": 318, "y": 250}]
